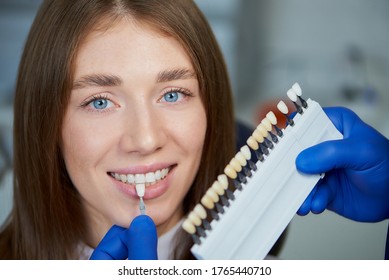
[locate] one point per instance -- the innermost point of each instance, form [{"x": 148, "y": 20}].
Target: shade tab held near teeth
[{"x": 140, "y": 189}]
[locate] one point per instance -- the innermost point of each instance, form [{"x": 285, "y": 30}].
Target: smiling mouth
[{"x": 149, "y": 178}]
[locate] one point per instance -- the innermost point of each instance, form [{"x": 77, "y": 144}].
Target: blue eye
[
  {"x": 100, "y": 103},
  {"x": 171, "y": 96}
]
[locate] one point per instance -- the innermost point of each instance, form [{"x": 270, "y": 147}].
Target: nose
[{"x": 143, "y": 131}]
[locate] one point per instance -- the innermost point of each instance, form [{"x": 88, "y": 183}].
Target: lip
[{"x": 152, "y": 191}]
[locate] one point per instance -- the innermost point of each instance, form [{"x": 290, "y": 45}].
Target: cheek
[
  {"x": 76, "y": 147},
  {"x": 191, "y": 131},
  {"x": 83, "y": 146}
]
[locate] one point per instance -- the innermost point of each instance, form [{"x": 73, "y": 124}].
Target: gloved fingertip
[
  {"x": 303, "y": 162},
  {"x": 111, "y": 247},
  {"x": 318, "y": 206},
  {"x": 144, "y": 222},
  {"x": 142, "y": 239},
  {"x": 321, "y": 199},
  {"x": 305, "y": 208},
  {"x": 303, "y": 211},
  {"x": 323, "y": 157}
]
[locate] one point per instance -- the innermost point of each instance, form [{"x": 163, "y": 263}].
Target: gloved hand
[
  {"x": 356, "y": 184},
  {"x": 138, "y": 242}
]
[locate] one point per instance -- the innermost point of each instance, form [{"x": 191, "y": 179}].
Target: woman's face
[{"x": 135, "y": 111}]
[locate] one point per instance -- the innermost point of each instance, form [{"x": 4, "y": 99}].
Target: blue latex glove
[
  {"x": 356, "y": 184},
  {"x": 138, "y": 242}
]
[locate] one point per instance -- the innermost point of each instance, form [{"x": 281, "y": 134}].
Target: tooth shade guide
[
  {"x": 240, "y": 157},
  {"x": 272, "y": 195},
  {"x": 194, "y": 218},
  {"x": 252, "y": 143},
  {"x": 257, "y": 135},
  {"x": 272, "y": 118},
  {"x": 234, "y": 163},
  {"x": 142, "y": 206},
  {"x": 297, "y": 89},
  {"x": 207, "y": 202},
  {"x": 218, "y": 188},
  {"x": 230, "y": 172},
  {"x": 281, "y": 106},
  {"x": 211, "y": 193},
  {"x": 269, "y": 127},
  {"x": 222, "y": 178},
  {"x": 140, "y": 189},
  {"x": 262, "y": 179},
  {"x": 189, "y": 227},
  {"x": 200, "y": 211},
  {"x": 267, "y": 124},
  {"x": 292, "y": 95},
  {"x": 246, "y": 152},
  {"x": 262, "y": 129}
]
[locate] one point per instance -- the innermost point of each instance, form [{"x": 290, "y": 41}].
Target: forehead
[{"x": 126, "y": 40}]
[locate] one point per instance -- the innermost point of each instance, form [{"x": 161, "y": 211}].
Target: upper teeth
[{"x": 150, "y": 177}]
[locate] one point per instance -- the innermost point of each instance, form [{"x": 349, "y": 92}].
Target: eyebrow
[
  {"x": 97, "y": 80},
  {"x": 175, "y": 74},
  {"x": 103, "y": 80}
]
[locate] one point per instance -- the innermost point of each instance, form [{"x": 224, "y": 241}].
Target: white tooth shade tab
[
  {"x": 222, "y": 178},
  {"x": 212, "y": 194},
  {"x": 217, "y": 187},
  {"x": 207, "y": 202},
  {"x": 240, "y": 157},
  {"x": 262, "y": 129},
  {"x": 188, "y": 226},
  {"x": 292, "y": 95},
  {"x": 230, "y": 172},
  {"x": 200, "y": 211},
  {"x": 272, "y": 117},
  {"x": 194, "y": 218},
  {"x": 266, "y": 122},
  {"x": 258, "y": 136},
  {"x": 234, "y": 163},
  {"x": 253, "y": 144},
  {"x": 297, "y": 89},
  {"x": 246, "y": 152},
  {"x": 140, "y": 189},
  {"x": 282, "y": 107}
]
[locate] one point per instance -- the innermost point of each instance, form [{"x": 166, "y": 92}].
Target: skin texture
[{"x": 135, "y": 107}]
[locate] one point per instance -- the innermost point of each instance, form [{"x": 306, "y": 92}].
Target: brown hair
[{"x": 47, "y": 220}]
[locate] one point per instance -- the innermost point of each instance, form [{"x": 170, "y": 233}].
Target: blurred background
[{"x": 336, "y": 50}]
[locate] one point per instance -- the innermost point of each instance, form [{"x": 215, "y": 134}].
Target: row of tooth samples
[
  {"x": 240, "y": 167},
  {"x": 294, "y": 94},
  {"x": 237, "y": 170},
  {"x": 196, "y": 223}
]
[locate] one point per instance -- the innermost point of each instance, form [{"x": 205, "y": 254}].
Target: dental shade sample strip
[{"x": 263, "y": 201}]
